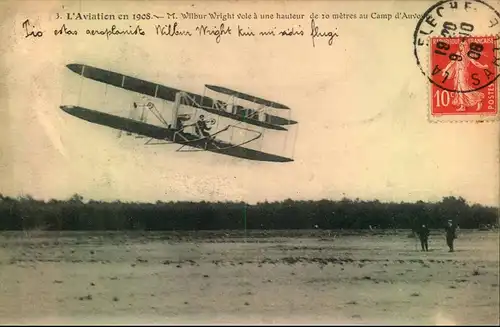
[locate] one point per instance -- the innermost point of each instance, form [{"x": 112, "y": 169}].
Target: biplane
[{"x": 176, "y": 131}]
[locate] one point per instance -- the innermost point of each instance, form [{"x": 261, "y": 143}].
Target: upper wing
[{"x": 168, "y": 94}]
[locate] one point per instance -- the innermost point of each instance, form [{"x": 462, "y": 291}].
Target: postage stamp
[
  {"x": 463, "y": 76},
  {"x": 456, "y": 48}
]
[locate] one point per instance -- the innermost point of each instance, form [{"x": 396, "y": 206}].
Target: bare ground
[{"x": 273, "y": 277}]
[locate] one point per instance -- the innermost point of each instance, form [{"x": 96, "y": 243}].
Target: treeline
[{"x": 76, "y": 214}]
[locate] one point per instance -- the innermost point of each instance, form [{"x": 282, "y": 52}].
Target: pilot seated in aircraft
[{"x": 202, "y": 128}]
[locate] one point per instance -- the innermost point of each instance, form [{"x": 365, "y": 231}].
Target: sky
[{"x": 362, "y": 105}]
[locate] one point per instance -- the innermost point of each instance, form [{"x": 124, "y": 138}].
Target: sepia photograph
[{"x": 250, "y": 162}]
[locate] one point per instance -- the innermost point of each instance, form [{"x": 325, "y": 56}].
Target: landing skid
[
  {"x": 156, "y": 142},
  {"x": 184, "y": 142}
]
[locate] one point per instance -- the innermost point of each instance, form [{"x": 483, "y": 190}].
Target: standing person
[
  {"x": 423, "y": 234},
  {"x": 451, "y": 234}
]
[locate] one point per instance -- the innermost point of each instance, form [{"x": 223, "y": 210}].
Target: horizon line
[{"x": 357, "y": 199}]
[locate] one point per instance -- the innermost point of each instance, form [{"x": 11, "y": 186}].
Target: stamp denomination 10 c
[{"x": 463, "y": 74}]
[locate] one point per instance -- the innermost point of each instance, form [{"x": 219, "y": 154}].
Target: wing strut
[{"x": 151, "y": 106}]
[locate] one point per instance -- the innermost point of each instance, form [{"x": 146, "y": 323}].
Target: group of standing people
[{"x": 423, "y": 234}]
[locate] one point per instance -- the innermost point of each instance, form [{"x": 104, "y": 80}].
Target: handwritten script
[
  {"x": 175, "y": 29},
  {"x": 315, "y": 33}
]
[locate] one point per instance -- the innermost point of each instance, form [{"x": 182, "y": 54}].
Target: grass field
[{"x": 266, "y": 277}]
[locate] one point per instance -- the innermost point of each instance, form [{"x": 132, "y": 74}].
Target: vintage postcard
[{"x": 249, "y": 161}]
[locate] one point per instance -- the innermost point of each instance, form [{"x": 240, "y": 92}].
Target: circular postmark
[{"x": 455, "y": 45}]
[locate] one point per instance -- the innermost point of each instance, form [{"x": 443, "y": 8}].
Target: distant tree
[{"x": 25, "y": 212}]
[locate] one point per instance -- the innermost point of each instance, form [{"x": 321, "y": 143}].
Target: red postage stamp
[{"x": 463, "y": 73}]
